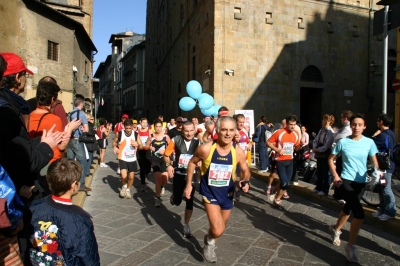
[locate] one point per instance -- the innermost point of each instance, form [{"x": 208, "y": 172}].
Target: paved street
[{"x": 134, "y": 232}]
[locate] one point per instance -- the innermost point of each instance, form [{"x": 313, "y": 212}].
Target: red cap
[
  {"x": 14, "y": 64},
  {"x": 125, "y": 116}
]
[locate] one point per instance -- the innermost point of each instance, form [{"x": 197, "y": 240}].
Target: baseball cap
[
  {"x": 14, "y": 64},
  {"x": 134, "y": 121},
  {"x": 125, "y": 116}
]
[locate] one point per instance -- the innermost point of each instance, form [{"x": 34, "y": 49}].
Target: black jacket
[
  {"x": 20, "y": 156},
  {"x": 92, "y": 147}
]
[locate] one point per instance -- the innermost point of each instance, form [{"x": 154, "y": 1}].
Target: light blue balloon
[
  {"x": 215, "y": 109},
  {"x": 206, "y": 112},
  {"x": 206, "y": 101},
  {"x": 193, "y": 88},
  {"x": 187, "y": 104}
]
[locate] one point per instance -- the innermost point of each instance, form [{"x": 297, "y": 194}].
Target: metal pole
[{"x": 385, "y": 58}]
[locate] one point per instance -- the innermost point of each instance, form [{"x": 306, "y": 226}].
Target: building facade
[
  {"x": 51, "y": 44},
  {"x": 306, "y": 57}
]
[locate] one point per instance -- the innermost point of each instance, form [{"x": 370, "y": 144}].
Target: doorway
[{"x": 310, "y": 109}]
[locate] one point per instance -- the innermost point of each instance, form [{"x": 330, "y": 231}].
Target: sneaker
[
  {"x": 384, "y": 217},
  {"x": 376, "y": 214},
  {"x": 128, "y": 194},
  {"x": 162, "y": 191},
  {"x": 351, "y": 253},
  {"x": 285, "y": 195},
  {"x": 296, "y": 183},
  {"x": 237, "y": 195},
  {"x": 268, "y": 191},
  {"x": 321, "y": 193},
  {"x": 278, "y": 204},
  {"x": 314, "y": 191},
  {"x": 271, "y": 197},
  {"x": 103, "y": 165},
  {"x": 209, "y": 252},
  {"x": 186, "y": 231},
  {"x": 342, "y": 201},
  {"x": 118, "y": 170},
  {"x": 122, "y": 192},
  {"x": 262, "y": 171},
  {"x": 143, "y": 188},
  {"x": 171, "y": 199},
  {"x": 331, "y": 197},
  {"x": 158, "y": 202},
  {"x": 335, "y": 235}
]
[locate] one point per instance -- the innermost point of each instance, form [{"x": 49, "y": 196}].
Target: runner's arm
[
  {"x": 115, "y": 143},
  {"x": 241, "y": 162}
]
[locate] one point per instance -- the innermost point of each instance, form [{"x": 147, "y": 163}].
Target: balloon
[
  {"x": 193, "y": 88},
  {"x": 215, "y": 110},
  {"x": 206, "y": 112},
  {"x": 187, "y": 104},
  {"x": 206, "y": 102}
]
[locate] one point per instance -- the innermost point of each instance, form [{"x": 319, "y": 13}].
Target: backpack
[{"x": 259, "y": 132}]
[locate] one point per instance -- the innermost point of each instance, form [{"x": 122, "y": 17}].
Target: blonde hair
[{"x": 329, "y": 118}]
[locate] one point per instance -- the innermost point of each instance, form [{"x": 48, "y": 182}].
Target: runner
[
  {"x": 184, "y": 147},
  {"x": 244, "y": 143},
  {"x": 284, "y": 142},
  {"x": 177, "y": 130},
  {"x": 144, "y": 153},
  {"x": 159, "y": 141},
  {"x": 217, "y": 181},
  {"x": 102, "y": 132},
  {"x": 171, "y": 124},
  {"x": 223, "y": 111},
  {"x": 118, "y": 128},
  {"x": 125, "y": 144}
]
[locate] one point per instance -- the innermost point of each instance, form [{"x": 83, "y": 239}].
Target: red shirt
[{"x": 118, "y": 127}]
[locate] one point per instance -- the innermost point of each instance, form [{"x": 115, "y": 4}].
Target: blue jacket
[
  {"x": 384, "y": 141},
  {"x": 62, "y": 234}
]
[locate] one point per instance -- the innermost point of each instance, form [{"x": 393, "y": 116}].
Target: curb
[
  {"x": 391, "y": 226},
  {"x": 79, "y": 199}
]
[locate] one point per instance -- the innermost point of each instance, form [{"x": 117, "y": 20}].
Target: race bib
[
  {"x": 288, "y": 148},
  {"x": 157, "y": 153},
  {"x": 144, "y": 140},
  {"x": 219, "y": 175},
  {"x": 243, "y": 145},
  {"x": 184, "y": 160},
  {"x": 129, "y": 152}
]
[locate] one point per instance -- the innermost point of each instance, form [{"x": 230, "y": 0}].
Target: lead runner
[{"x": 217, "y": 184}]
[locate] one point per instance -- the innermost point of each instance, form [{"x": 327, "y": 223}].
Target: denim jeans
[
  {"x": 285, "y": 171},
  {"x": 263, "y": 155},
  {"x": 88, "y": 163},
  {"x": 323, "y": 178},
  {"x": 386, "y": 198},
  {"x": 76, "y": 151}
]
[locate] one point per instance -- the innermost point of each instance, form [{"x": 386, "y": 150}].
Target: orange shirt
[
  {"x": 285, "y": 140},
  {"x": 47, "y": 122}
]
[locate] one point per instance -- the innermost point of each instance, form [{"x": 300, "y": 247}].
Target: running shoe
[
  {"x": 384, "y": 217},
  {"x": 262, "y": 171},
  {"x": 278, "y": 204},
  {"x": 128, "y": 194},
  {"x": 122, "y": 192},
  {"x": 271, "y": 197},
  {"x": 186, "y": 231},
  {"x": 268, "y": 191},
  {"x": 314, "y": 191},
  {"x": 321, "y": 193},
  {"x": 376, "y": 214},
  {"x": 118, "y": 170},
  {"x": 162, "y": 190},
  {"x": 171, "y": 199},
  {"x": 209, "y": 252},
  {"x": 342, "y": 201},
  {"x": 103, "y": 165},
  {"x": 335, "y": 235},
  {"x": 157, "y": 202},
  {"x": 351, "y": 253},
  {"x": 285, "y": 195},
  {"x": 331, "y": 197}
]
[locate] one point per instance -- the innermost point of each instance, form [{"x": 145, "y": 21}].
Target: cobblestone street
[{"x": 134, "y": 232}]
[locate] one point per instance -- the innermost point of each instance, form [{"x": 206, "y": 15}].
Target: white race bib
[
  {"x": 184, "y": 160},
  {"x": 129, "y": 152},
  {"x": 288, "y": 148},
  {"x": 144, "y": 140},
  {"x": 219, "y": 175}
]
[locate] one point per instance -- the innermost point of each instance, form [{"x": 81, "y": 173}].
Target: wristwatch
[{"x": 167, "y": 164}]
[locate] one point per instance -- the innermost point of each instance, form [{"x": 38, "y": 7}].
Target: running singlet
[
  {"x": 218, "y": 174},
  {"x": 143, "y": 136},
  {"x": 118, "y": 127},
  {"x": 244, "y": 139},
  {"x": 126, "y": 152},
  {"x": 159, "y": 145},
  {"x": 100, "y": 132}
]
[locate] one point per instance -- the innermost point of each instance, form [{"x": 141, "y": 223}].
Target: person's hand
[
  {"x": 51, "y": 138},
  {"x": 134, "y": 143},
  {"x": 152, "y": 149},
  {"x": 116, "y": 150},
  {"x": 170, "y": 171},
  {"x": 314, "y": 150},
  {"x": 279, "y": 151},
  {"x": 337, "y": 181},
  {"x": 26, "y": 191},
  {"x": 66, "y": 137},
  {"x": 161, "y": 151},
  {"x": 244, "y": 185},
  {"x": 249, "y": 145},
  {"x": 73, "y": 125},
  {"x": 188, "y": 191}
]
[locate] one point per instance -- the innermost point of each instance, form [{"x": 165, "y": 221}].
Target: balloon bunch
[{"x": 205, "y": 100}]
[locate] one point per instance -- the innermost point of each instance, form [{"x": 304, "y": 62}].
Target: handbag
[{"x": 85, "y": 138}]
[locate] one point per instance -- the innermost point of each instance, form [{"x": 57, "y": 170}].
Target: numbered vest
[{"x": 182, "y": 153}]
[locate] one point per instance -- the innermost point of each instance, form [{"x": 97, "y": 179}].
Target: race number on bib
[
  {"x": 288, "y": 148},
  {"x": 219, "y": 175},
  {"x": 184, "y": 160},
  {"x": 129, "y": 153},
  {"x": 143, "y": 139}
]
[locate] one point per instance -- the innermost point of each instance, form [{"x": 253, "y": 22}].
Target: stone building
[
  {"x": 51, "y": 44},
  {"x": 308, "y": 57},
  {"x": 111, "y": 75}
]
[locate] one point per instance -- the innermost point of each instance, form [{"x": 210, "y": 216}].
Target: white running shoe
[
  {"x": 122, "y": 192},
  {"x": 209, "y": 252},
  {"x": 157, "y": 202},
  {"x": 321, "y": 193},
  {"x": 118, "y": 170},
  {"x": 186, "y": 231},
  {"x": 162, "y": 191},
  {"x": 335, "y": 235},
  {"x": 128, "y": 194}
]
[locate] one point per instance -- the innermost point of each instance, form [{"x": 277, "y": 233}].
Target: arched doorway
[{"x": 311, "y": 82}]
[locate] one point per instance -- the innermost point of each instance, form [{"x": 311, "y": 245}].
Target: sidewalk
[{"x": 134, "y": 232}]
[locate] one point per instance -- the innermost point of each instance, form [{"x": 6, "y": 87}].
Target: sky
[{"x": 114, "y": 16}]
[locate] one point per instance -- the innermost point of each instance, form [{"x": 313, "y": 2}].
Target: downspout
[{"x": 369, "y": 47}]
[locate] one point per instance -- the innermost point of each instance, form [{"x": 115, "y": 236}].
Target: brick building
[
  {"x": 52, "y": 43},
  {"x": 306, "y": 57}
]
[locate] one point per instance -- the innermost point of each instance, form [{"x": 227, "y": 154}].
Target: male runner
[
  {"x": 126, "y": 143},
  {"x": 184, "y": 147},
  {"x": 118, "y": 128},
  {"x": 217, "y": 184}
]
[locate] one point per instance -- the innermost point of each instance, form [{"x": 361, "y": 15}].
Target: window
[{"x": 52, "y": 51}]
